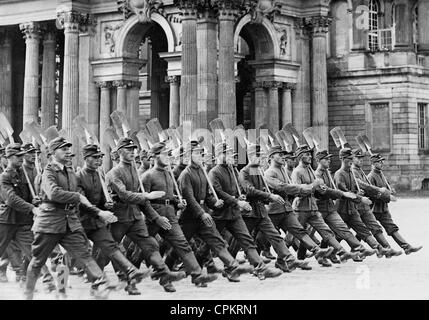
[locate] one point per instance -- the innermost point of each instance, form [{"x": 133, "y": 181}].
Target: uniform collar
[
  {"x": 161, "y": 169},
  {"x": 194, "y": 165},
  {"x": 89, "y": 169},
  {"x": 376, "y": 170},
  {"x": 57, "y": 165}
]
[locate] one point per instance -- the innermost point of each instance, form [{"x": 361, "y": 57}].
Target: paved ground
[{"x": 404, "y": 277}]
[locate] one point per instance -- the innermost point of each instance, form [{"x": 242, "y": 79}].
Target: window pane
[
  {"x": 422, "y": 125},
  {"x": 380, "y": 126}
]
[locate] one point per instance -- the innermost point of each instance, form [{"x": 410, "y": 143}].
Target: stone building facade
[{"x": 358, "y": 64}]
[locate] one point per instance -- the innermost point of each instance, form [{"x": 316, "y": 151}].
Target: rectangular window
[
  {"x": 380, "y": 133},
  {"x": 422, "y": 120}
]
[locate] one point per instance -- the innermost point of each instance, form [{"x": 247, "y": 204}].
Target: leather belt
[
  {"x": 166, "y": 202},
  {"x": 63, "y": 206}
]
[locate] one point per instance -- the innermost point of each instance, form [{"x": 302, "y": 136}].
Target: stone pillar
[
  {"x": 31, "y": 32},
  {"x": 423, "y": 25},
  {"x": 260, "y": 114},
  {"x": 174, "y": 82},
  {"x": 121, "y": 89},
  {"x": 207, "y": 66},
  {"x": 48, "y": 80},
  {"x": 227, "y": 99},
  {"x": 273, "y": 105},
  {"x": 6, "y": 72},
  {"x": 319, "y": 87},
  {"x": 70, "y": 20},
  {"x": 188, "y": 88},
  {"x": 287, "y": 106},
  {"x": 133, "y": 104},
  {"x": 104, "y": 120}
]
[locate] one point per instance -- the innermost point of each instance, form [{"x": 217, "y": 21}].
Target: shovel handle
[
  {"x": 263, "y": 179},
  {"x": 104, "y": 186},
  {"x": 175, "y": 184},
  {"x": 30, "y": 186},
  {"x": 210, "y": 183},
  {"x": 354, "y": 178},
  {"x": 236, "y": 181}
]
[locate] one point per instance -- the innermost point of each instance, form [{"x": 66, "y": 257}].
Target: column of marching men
[{"x": 174, "y": 211}]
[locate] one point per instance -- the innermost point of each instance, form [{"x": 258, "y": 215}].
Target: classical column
[
  {"x": 319, "y": 87},
  {"x": 188, "y": 88},
  {"x": 133, "y": 104},
  {"x": 121, "y": 89},
  {"x": 48, "y": 80},
  {"x": 70, "y": 20},
  {"x": 207, "y": 66},
  {"x": 31, "y": 32},
  {"x": 104, "y": 120},
  {"x": 260, "y": 113},
  {"x": 273, "y": 105},
  {"x": 227, "y": 99},
  {"x": 287, "y": 107},
  {"x": 6, "y": 72},
  {"x": 423, "y": 26},
  {"x": 174, "y": 82}
]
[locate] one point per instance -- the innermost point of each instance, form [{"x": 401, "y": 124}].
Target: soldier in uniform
[
  {"x": 145, "y": 164},
  {"x": 347, "y": 209},
  {"x": 225, "y": 180},
  {"x": 90, "y": 184},
  {"x": 182, "y": 163},
  {"x": 327, "y": 208},
  {"x": 283, "y": 216},
  {"x": 307, "y": 208},
  {"x": 253, "y": 185},
  {"x": 57, "y": 221},
  {"x": 381, "y": 208},
  {"x": 195, "y": 219},
  {"x": 124, "y": 183},
  {"x": 374, "y": 193},
  {"x": 160, "y": 178}
]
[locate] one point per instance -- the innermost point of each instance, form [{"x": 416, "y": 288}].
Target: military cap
[
  {"x": 91, "y": 150},
  {"x": 302, "y": 149},
  {"x": 346, "y": 153},
  {"x": 194, "y": 145},
  {"x": 125, "y": 143},
  {"x": 274, "y": 150},
  {"x": 14, "y": 149},
  {"x": 57, "y": 143},
  {"x": 323, "y": 155},
  {"x": 221, "y": 148},
  {"x": 376, "y": 158},
  {"x": 358, "y": 153},
  {"x": 158, "y": 148},
  {"x": 289, "y": 155},
  {"x": 28, "y": 147}
]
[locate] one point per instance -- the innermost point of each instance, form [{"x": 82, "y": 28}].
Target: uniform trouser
[
  {"x": 369, "y": 220},
  {"x": 340, "y": 229},
  {"x": 315, "y": 219},
  {"x": 266, "y": 227},
  {"x": 238, "y": 229},
  {"x": 355, "y": 222},
  {"x": 12, "y": 255},
  {"x": 23, "y": 237},
  {"x": 211, "y": 236},
  {"x": 177, "y": 240},
  {"x": 104, "y": 243},
  {"x": 137, "y": 231},
  {"x": 385, "y": 218},
  {"x": 75, "y": 242}
]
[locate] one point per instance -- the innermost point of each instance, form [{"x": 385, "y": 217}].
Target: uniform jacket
[
  {"x": 130, "y": 202},
  {"x": 278, "y": 183},
  {"x": 90, "y": 185},
  {"x": 256, "y": 193},
  {"x": 58, "y": 189},
  {"x": 376, "y": 179},
  {"x": 221, "y": 176},
  {"x": 178, "y": 170},
  {"x": 372, "y": 192},
  {"x": 15, "y": 198},
  {"x": 325, "y": 201},
  {"x": 303, "y": 175},
  {"x": 345, "y": 182},
  {"x": 194, "y": 187}
]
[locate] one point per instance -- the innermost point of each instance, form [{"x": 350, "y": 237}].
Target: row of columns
[{"x": 6, "y": 74}]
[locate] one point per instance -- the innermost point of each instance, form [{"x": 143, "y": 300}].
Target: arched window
[{"x": 373, "y": 24}]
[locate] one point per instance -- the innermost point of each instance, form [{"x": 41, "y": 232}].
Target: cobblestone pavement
[{"x": 403, "y": 277}]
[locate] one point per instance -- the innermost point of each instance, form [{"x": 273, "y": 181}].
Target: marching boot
[
  {"x": 212, "y": 268},
  {"x": 162, "y": 272},
  {"x": 132, "y": 273},
  {"x": 334, "y": 259},
  {"x": 282, "y": 265},
  {"x": 344, "y": 255},
  {"x": 131, "y": 288},
  {"x": 321, "y": 253},
  {"x": 364, "y": 252},
  {"x": 324, "y": 262},
  {"x": 302, "y": 252},
  {"x": 408, "y": 248},
  {"x": 235, "y": 270},
  {"x": 201, "y": 280},
  {"x": 262, "y": 271},
  {"x": 267, "y": 254},
  {"x": 100, "y": 288},
  {"x": 388, "y": 251},
  {"x": 303, "y": 265}
]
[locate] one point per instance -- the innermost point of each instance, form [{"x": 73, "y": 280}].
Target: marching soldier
[
  {"x": 196, "y": 219},
  {"x": 283, "y": 216},
  {"x": 182, "y": 163},
  {"x": 124, "y": 182},
  {"x": 381, "y": 208},
  {"x": 95, "y": 228},
  {"x": 252, "y": 182},
  {"x": 57, "y": 221},
  {"x": 365, "y": 211},
  {"x": 224, "y": 181},
  {"x": 145, "y": 164},
  {"x": 347, "y": 209},
  {"x": 327, "y": 208},
  {"x": 306, "y": 206},
  {"x": 160, "y": 178}
]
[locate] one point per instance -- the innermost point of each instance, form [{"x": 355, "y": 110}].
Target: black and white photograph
[{"x": 216, "y": 152}]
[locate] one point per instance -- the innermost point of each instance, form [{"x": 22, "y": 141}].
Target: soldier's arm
[
  {"x": 340, "y": 181},
  {"x": 11, "y": 198},
  {"x": 119, "y": 188},
  {"x": 147, "y": 209},
  {"x": 249, "y": 188},
  {"x": 188, "y": 194},
  {"x": 56, "y": 193},
  {"x": 215, "y": 178},
  {"x": 94, "y": 210},
  {"x": 278, "y": 185}
]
